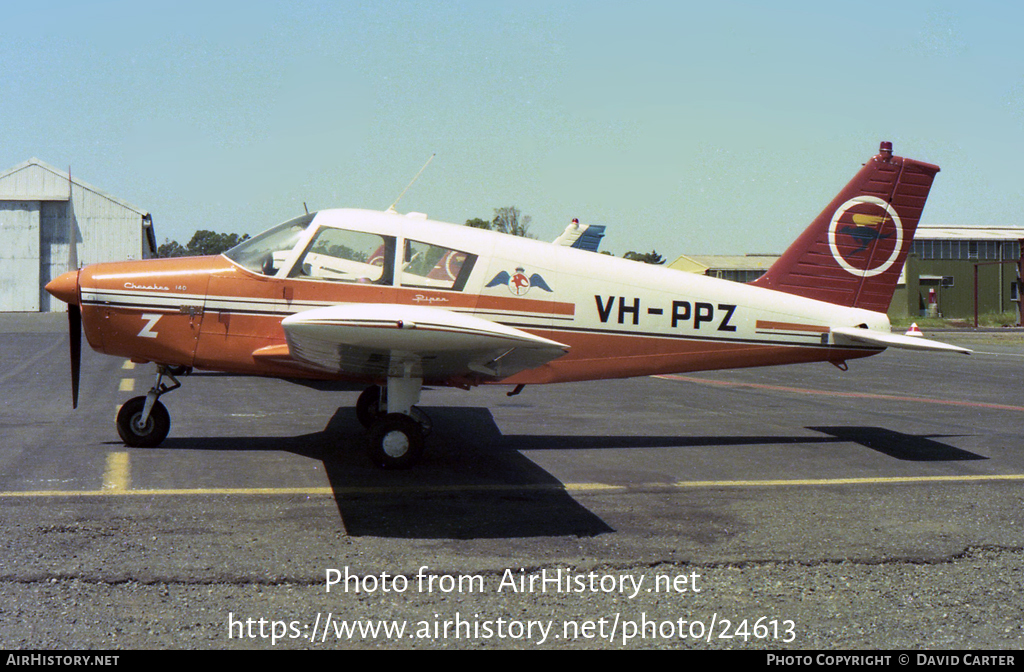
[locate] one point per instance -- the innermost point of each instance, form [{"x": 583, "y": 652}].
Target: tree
[
  {"x": 171, "y": 248},
  {"x": 203, "y": 243},
  {"x": 207, "y": 242},
  {"x": 651, "y": 257},
  {"x": 506, "y": 220},
  {"x": 478, "y": 223},
  {"x": 509, "y": 220}
]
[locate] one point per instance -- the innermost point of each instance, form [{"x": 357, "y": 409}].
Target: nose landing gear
[{"x": 143, "y": 422}]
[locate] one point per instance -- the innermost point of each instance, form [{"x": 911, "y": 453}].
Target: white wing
[{"x": 429, "y": 343}]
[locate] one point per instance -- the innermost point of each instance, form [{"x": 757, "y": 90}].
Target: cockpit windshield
[{"x": 267, "y": 251}]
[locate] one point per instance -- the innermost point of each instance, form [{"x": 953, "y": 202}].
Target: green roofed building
[{"x": 938, "y": 278}]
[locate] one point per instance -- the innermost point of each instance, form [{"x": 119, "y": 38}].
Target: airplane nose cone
[{"x": 65, "y": 287}]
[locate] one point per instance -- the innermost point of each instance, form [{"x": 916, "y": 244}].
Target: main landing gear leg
[
  {"x": 397, "y": 435},
  {"x": 143, "y": 422}
]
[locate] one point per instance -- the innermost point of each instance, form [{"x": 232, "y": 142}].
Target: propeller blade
[{"x": 75, "y": 338}]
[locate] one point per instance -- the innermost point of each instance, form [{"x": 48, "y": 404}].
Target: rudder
[{"x": 853, "y": 252}]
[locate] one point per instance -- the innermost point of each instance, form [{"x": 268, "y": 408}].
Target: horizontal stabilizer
[
  {"x": 846, "y": 334},
  {"x": 581, "y": 236}
]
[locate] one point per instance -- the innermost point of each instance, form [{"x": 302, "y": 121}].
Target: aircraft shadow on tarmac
[
  {"x": 900, "y": 446},
  {"x": 469, "y": 485},
  {"x": 474, "y": 483}
]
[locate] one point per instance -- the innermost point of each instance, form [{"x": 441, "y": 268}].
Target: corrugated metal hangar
[{"x": 50, "y": 223}]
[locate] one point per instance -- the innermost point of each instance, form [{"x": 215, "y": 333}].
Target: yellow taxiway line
[
  {"x": 118, "y": 486},
  {"x": 117, "y": 477}
]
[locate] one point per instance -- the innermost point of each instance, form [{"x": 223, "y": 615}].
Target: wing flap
[
  {"x": 858, "y": 335},
  {"x": 388, "y": 339}
]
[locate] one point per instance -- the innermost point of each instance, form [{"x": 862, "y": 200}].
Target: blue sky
[{"x": 686, "y": 128}]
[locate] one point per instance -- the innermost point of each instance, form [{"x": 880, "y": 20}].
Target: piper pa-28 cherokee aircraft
[{"x": 399, "y": 301}]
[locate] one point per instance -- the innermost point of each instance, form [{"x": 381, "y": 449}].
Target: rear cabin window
[{"x": 429, "y": 266}]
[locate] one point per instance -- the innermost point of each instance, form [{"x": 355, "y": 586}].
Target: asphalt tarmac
[{"x": 798, "y": 507}]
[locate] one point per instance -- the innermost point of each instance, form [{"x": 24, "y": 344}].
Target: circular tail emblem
[{"x": 863, "y": 230}]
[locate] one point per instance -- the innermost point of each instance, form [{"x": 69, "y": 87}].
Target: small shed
[
  {"x": 738, "y": 268},
  {"x": 51, "y": 222}
]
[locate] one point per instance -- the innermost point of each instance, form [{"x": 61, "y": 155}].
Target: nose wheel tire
[
  {"x": 396, "y": 442},
  {"x": 138, "y": 435}
]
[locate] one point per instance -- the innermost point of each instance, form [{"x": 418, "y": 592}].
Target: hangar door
[
  {"x": 57, "y": 235},
  {"x": 19, "y": 256}
]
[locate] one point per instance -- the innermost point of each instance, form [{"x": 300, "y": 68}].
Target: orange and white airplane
[{"x": 399, "y": 301}]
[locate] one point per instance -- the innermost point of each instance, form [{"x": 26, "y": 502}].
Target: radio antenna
[{"x": 391, "y": 208}]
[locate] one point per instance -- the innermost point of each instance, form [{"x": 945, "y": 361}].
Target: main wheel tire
[
  {"x": 137, "y": 435},
  {"x": 396, "y": 442},
  {"x": 368, "y": 406}
]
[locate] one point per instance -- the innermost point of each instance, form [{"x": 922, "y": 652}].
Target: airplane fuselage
[{"x": 619, "y": 318}]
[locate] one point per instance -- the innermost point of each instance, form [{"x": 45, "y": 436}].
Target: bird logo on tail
[{"x": 865, "y": 224}]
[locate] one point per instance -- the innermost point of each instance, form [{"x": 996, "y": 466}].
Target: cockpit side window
[
  {"x": 429, "y": 266},
  {"x": 348, "y": 256}
]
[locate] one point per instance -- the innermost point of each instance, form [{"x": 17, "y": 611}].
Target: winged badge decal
[{"x": 518, "y": 283}]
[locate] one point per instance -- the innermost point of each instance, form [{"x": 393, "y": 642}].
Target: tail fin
[{"x": 852, "y": 254}]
